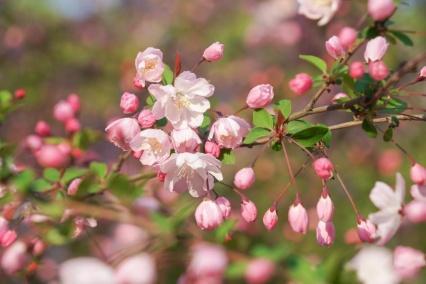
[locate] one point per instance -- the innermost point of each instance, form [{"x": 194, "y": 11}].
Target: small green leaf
[
  {"x": 387, "y": 136},
  {"x": 150, "y": 100},
  {"x": 316, "y": 61},
  {"x": 366, "y": 85},
  {"x": 161, "y": 122},
  {"x": 256, "y": 133},
  {"x": 164, "y": 223},
  {"x": 284, "y": 106},
  {"x": 5, "y": 99},
  {"x": 72, "y": 173},
  {"x": 224, "y": 229},
  {"x": 327, "y": 139},
  {"x": 369, "y": 128},
  {"x": 41, "y": 185},
  {"x": 236, "y": 269},
  {"x": 262, "y": 118},
  {"x": 403, "y": 37},
  {"x": 51, "y": 174},
  {"x": 311, "y": 135},
  {"x": 392, "y": 106},
  {"x": 121, "y": 186},
  {"x": 227, "y": 157},
  {"x": 100, "y": 169},
  {"x": 167, "y": 75},
  {"x": 24, "y": 180},
  {"x": 275, "y": 253},
  {"x": 296, "y": 126}
]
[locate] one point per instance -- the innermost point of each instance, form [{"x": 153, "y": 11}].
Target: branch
[{"x": 414, "y": 117}]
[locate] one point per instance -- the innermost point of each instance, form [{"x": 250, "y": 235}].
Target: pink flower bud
[
  {"x": 259, "y": 271},
  {"x": 298, "y": 217},
  {"x": 38, "y": 247},
  {"x": 422, "y": 73},
  {"x": 72, "y": 125},
  {"x": 121, "y": 131},
  {"x": 129, "y": 103},
  {"x": 225, "y": 206},
  {"x": 380, "y": 10},
  {"x": 14, "y": 258},
  {"x": 63, "y": 111},
  {"x": 42, "y": 128},
  {"x": 415, "y": 211},
  {"x": 65, "y": 148},
  {"x": 8, "y": 238},
  {"x": 334, "y": 48},
  {"x": 325, "y": 233},
  {"x": 418, "y": 174},
  {"x": 208, "y": 215},
  {"x": 378, "y": 70},
  {"x": 138, "y": 83},
  {"x": 407, "y": 261},
  {"x": 73, "y": 186},
  {"x": 33, "y": 142},
  {"x": 248, "y": 211},
  {"x": 323, "y": 168},
  {"x": 366, "y": 230},
  {"x": 260, "y": 96},
  {"x": 325, "y": 207},
  {"x": 301, "y": 83},
  {"x": 347, "y": 37},
  {"x": 356, "y": 70},
  {"x": 212, "y": 148},
  {"x": 51, "y": 156},
  {"x": 338, "y": 97},
  {"x": 74, "y": 101},
  {"x": 376, "y": 49},
  {"x": 161, "y": 176},
  {"x": 270, "y": 219},
  {"x": 146, "y": 118},
  {"x": 214, "y": 52},
  {"x": 19, "y": 94},
  {"x": 244, "y": 178}
]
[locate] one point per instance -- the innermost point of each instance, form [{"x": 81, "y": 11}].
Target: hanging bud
[
  {"x": 325, "y": 233},
  {"x": 325, "y": 207},
  {"x": 244, "y": 178},
  {"x": 270, "y": 219},
  {"x": 298, "y": 217},
  {"x": 378, "y": 70},
  {"x": 366, "y": 230},
  {"x": 260, "y": 96},
  {"x": 418, "y": 174},
  {"x": 208, "y": 215},
  {"x": 225, "y": 206},
  {"x": 248, "y": 211},
  {"x": 323, "y": 168}
]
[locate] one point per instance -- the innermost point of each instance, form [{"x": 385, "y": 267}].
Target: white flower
[
  {"x": 185, "y": 140},
  {"x": 191, "y": 171},
  {"x": 184, "y": 103},
  {"x": 374, "y": 265},
  {"x": 229, "y": 131},
  {"x": 85, "y": 270},
  {"x": 149, "y": 66},
  {"x": 155, "y": 145},
  {"x": 388, "y": 218},
  {"x": 322, "y": 10}
]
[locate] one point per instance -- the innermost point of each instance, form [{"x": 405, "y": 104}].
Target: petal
[
  {"x": 400, "y": 188},
  {"x": 383, "y": 196}
]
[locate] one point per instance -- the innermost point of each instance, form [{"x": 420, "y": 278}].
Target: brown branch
[{"x": 414, "y": 117}]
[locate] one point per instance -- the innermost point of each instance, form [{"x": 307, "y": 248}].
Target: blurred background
[{"x": 56, "y": 47}]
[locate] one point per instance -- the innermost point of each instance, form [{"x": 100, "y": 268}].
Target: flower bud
[
  {"x": 38, "y": 247},
  {"x": 325, "y": 233},
  {"x": 347, "y": 37},
  {"x": 244, "y": 178},
  {"x": 366, "y": 230},
  {"x": 42, "y": 128},
  {"x": 74, "y": 101},
  {"x": 378, "y": 70},
  {"x": 146, "y": 118},
  {"x": 129, "y": 270},
  {"x": 325, "y": 207},
  {"x": 212, "y": 148},
  {"x": 376, "y": 49},
  {"x": 121, "y": 131},
  {"x": 72, "y": 125},
  {"x": 224, "y": 205},
  {"x": 208, "y": 215},
  {"x": 356, "y": 70},
  {"x": 63, "y": 111},
  {"x": 214, "y": 52},
  {"x": 270, "y": 219},
  {"x": 185, "y": 140},
  {"x": 129, "y": 103},
  {"x": 407, "y": 261},
  {"x": 418, "y": 174},
  {"x": 73, "y": 186},
  {"x": 298, "y": 217},
  {"x": 14, "y": 258},
  {"x": 323, "y": 168},
  {"x": 19, "y": 94},
  {"x": 301, "y": 83},
  {"x": 51, "y": 156},
  {"x": 337, "y": 97},
  {"x": 415, "y": 211},
  {"x": 334, "y": 48},
  {"x": 33, "y": 142},
  {"x": 161, "y": 176},
  {"x": 8, "y": 238},
  {"x": 422, "y": 73},
  {"x": 259, "y": 271},
  {"x": 381, "y": 10},
  {"x": 260, "y": 96},
  {"x": 248, "y": 211}
]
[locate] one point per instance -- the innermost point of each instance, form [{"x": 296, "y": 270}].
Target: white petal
[{"x": 383, "y": 196}]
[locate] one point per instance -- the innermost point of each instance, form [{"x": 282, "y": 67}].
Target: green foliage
[
  {"x": 369, "y": 128},
  {"x": 167, "y": 75},
  {"x": 150, "y": 100},
  {"x": 161, "y": 122},
  {"x": 236, "y": 269},
  {"x": 72, "y": 173},
  {"x": 315, "y": 61},
  {"x": 99, "y": 169},
  {"x": 284, "y": 106},
  {"x": 392, "y": 105},
  {"x": 255, "y": 134},
  {"x": 263, "y": 119},
  {"x": 402, "y": 37},
  {"x": 366, "y": 85},
  {"x": 41, "y": 185},
  {"x": 387, "y": 136},
  {"x": 122, "y": 187},
  {"x": 308, "y": 134},
  {"x": 23, "y": 180},
  {"x": 205, "y": 126},
  {"x": 275, "y": 253},
  {"x": 302, "y": 271},
  {"x": 227, "y": 156},
  {"x": 51, "y": 174},
  {"x": 224, "y": 229},
  {"x": 85, "y": 138},
  {"x": 5, "y": 103}
]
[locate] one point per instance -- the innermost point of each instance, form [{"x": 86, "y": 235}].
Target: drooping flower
[
  {"x": 323, "y": 168},
  {"x": 212, "y": 148},
  {"x": 418, "y": 174},
  {"x": 366, "y": 230},
  {"x": 224, "y": 205},
  {"x": 149, "y": 66},
  {"x": 322, "y": 10},
  {"x": 248, "y": 211},
  {"x": 194, "y": 172},
  {"x": 347, "y": 37},
  {"x": 154, "y": 143},
  {"x": 121, "y": 131},
  {"x": 325, "y": 207},
  {"x": 229, "y": 131},
  {"x": 325, "y": 233},
  {"x": 298, "y": 217},
  {"x": 270, "y": 219},
  {"x": 208, "y": 260}
]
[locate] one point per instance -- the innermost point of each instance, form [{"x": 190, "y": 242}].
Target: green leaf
[
  {"x": 366, "y": 85},
  {"x": 5, "y": 99},
  {"x": 85, "y": 138},
  {"x": 311, "y": 135},
  {"x": 369, "y": 128},
  {"x": 206, "y": 121},
  {"x": 72, "y": 173},
  {"x": 275, "y": 253},
  {"x": 262, "y": 118},
  {"x": 392, "y": 106},
  {"x": 224, "y": 229},
  {"x": 100, "y": 169},
  {"x": 227, "y": 157},
  {"x": 403, "y": 37},
  {"x": 163, "y": 222},
  {"x": 54, "y": 210},
  {"x": 284, "y": 106},
  {"x": 316, "y": 61},
  {"x": 121, "y": 186},
  {"x": 167, "y": 75},
  {"x": 327, "y": 138},
  {"x": 150, "y": 100},
  {"x": 24, "y": 180},
  {"x": 41, "y": 185},
  {"x": 51, "y": 174},
  {"x": 387, "y": 136},
  {"x": 302, "y": 271},
  {"x": 255, "y": 134},
  {"x": 297, "y": 125},
  {"x": 161, "y": 122},
  {"x": 236, "y": 269}
]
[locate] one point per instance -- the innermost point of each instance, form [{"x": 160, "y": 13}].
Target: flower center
[
  {"x": 181, "y": 101},
  {"x": 149, "y": 64},
  {"x": 155, "y": 145}
]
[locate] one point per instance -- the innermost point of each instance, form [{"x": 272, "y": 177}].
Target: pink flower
[
  {"x": 422, "y": 73},
  {"x": 63, "y": 111},
  {"x": 366, "y": 230},
  {"x": 325, "y": 233},
  {"x": 380, "y": 10},
  {"x": 146, "y": 118},
  {"x": 121, "y": 131},
  {"x": 347, "y": 37},
  {"x": 74, "y": 101},
  {"x": 194, "y": 172},
  {"x": 259, "y": 271},
  {"x": 8, "y": 238},
  {"x": 376, "y": 49},
  {"x": 14, "y": 258},
  {"x": 214, "y": 52},
  {"x": 301, "y": 83},
  {"x": 334, "y": 48},
  {"x": 72, "y": 125},
  {"x": 33, "y": 142},
  {"x": 298, "y": 217},
  {"x": 270, "y": 219},
  {"x": 129, "y": 103},
  {"x": 208, "y": 215},
  {"x": 212, "y": 149},
  {"x": 208, "y": 260},
  {"x": 338, "y": 97},
  {"x": 260, "y": 96},
  {"x": 319, "y": 10},
  {"x": 184, "y": 103},
  {"x": 418, "y": 174},
  {"x": 129, "y": 270},
  {"x": 185, "y": 140},
  {"x": 224, "y": 205},
  {"x": 51, "y": 156},
  {"x": 42, "y": 128},
  {"x": 149, "y": 66},
  {"x": 408, "y": 261},
  {"x": 229, "y": 131},
  {"x": 415, "y": 211},
  {"x": 86, "y": 270},
  {"x": 418, "y": 192},
  {"x": 244, "y": 178},
  {"x": 378, "y": 70},
  {"x": 248, "y": 211},
  {"x": 154, "y": 143},
  {"x": 19, "y": 94},
  {"x": 323, "y": 168},
  {"x": 356, "y": 69},
  {"x": 73, "y": 186},
  {"x": 325, "y": 207}
]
